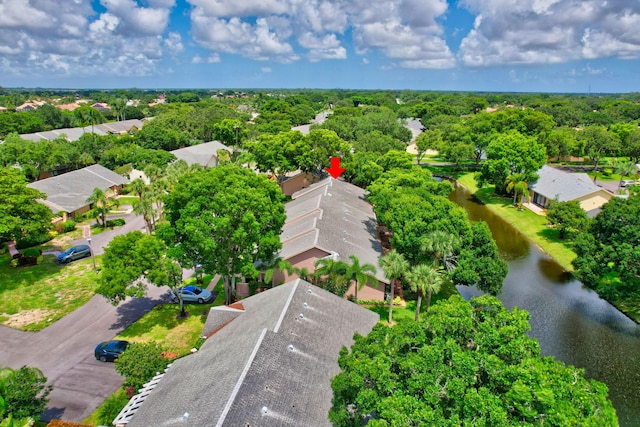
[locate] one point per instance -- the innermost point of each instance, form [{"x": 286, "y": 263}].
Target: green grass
[
  {"x": 94, "y": 419},
  {"x": 127, "y": 200},
  {"x": 33, "y": 297},
  {"x": 408, "y": 312},
  {"x": 173, "y": 334},
  {"x": 528, "y": 223}
]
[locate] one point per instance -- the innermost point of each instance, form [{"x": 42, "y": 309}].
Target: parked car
[
  {"x": 109, "y": 351},
  {"x": 193, "y": 294},
  {"x": 628, "y": 182},
  {"x": 74, "y": 253}
]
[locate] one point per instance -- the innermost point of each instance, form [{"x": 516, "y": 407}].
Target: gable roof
[
  {"x": 205, "y": 154},
  {"x": 73, "y": 134},
  {"x": 69, "y": 191},
  {"x": 333, "y": 216},
  {"x": 554, "y": 183},
  {"x": 270, "y": 364}
]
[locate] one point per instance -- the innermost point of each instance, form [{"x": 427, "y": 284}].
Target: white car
[
  {"x": 193, "y": 294},
  {"x": 627, "y": 182}
]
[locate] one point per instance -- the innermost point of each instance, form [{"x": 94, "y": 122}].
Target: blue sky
[{"x": 470, "y": 45}]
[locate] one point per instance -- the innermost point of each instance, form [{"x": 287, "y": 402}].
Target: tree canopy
[
  {"x": 225, "y": 219},
  {"x": 467, "y": 363}
]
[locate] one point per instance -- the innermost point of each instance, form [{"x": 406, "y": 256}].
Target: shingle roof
[
  {"x": 554, "y": 183},
  {"x": 271, "y": 365},
  {"x": 73, "y": 134},
  {"x": 69, "y": 192},
  {"x": 334, "y": 216},
  {"x": 202, "y": 154}
]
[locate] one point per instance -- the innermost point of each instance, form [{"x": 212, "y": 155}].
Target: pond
[{"x": 571, "y": 322}]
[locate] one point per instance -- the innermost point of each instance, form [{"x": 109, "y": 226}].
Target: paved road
[{"x": 64, "y": 350}]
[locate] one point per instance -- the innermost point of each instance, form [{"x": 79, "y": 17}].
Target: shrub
[
  {"x": 4, "y": 248},
  {"x": 33, "y": 240},
  {"x": 68, "y": 225},
  {"x": 140, "y": 363},
  {"x": 111, "y": 407},
  {"x": 115, "y": 222},
  {"x": 32, "y": 252}
]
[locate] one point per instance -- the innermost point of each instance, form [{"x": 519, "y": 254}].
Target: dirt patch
[{"x": 27, "y": 317}]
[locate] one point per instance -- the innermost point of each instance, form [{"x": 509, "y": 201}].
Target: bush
[
  {"x": 140, "y": 363},
  {"x": 33, "y": 240},
  {"x": 115, "y": 222},
  {"x": 111, "y": 407},
  {"x": 68, "y": 225},
  {"x": 32, "y": 252}
]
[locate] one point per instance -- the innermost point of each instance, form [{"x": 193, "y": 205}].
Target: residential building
[
  {"x": 554, "y": 184},
  {"x": 205, "y": 154},
  {"x": 67, "y": 193},
  {"x": 332, "y": 218},
  {"x": 122, "y": 127},
  {"x": 268, "y": 360}
]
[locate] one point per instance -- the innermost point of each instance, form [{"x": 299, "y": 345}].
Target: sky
[{"x": 577, "y": 46}]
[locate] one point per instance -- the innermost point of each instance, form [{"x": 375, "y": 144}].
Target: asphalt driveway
[{"x": 64, "y": 350}]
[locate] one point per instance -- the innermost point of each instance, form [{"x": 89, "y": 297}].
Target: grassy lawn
[
  {"x": 127, "y": 200},
  {"x": 528, "y": 223},
  {"x": 163, "y": 326},
  {"x": 408, "y": 312},
  {"x": 33, "y": 297}
]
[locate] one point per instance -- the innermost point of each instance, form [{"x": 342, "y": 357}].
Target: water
[{"x": 569, "y": 320}]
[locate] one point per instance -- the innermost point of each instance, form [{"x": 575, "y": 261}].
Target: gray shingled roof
[
  {"x": 73, "y": 134},
  {"x": 246, "y": 374},
  {"x": 334, "y": 216},
  {"x": 202, "y": 154},
  {"x": 565, "y": 186},
  {"x": 69, "y": 192}
]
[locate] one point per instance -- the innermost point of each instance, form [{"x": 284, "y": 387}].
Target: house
[
  {"x": 73, "y": 134},
  {"x": 205, "y": 154},
  {"x": 332, "y": 218},
  {"x": 67, "y": 193},
  {"x": 101, "y": 106},
  {"x": 268, "y": 361},
  {"x": 554, "y": 184}
]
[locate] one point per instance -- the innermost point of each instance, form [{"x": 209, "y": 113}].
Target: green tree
[
  {"x": 331, "y": 275},
  {"x": 394, "y": 267},
  {"x": 424, "y": 279},
  {"x": 24, "y": 392},
  {"x": 316, "y": 149},
  {"x": 568, "y": 218},
  {"x": 631, "y": 147},
  {"x": 520, "y": 187},
  {"x": 598, "y": 142},
  {"x": 133, "y": 259},
  {"x": 140, "y": 363},
  {"x": 229, "y": 131},
  {"x": 224, "y": 219},
  {"x": 439, "y": 246},
  {"x": 360, "y": 274},
  {"x": 101, "y": 205},
  {"x": 21, "y": 214},
  {"x": 430, "y": 139},
  {"x": 624, "y": 169},
  {"x": 509, "y": 154},
  {"x": 467, "y": 363}
]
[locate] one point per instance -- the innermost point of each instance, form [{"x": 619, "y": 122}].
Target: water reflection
[{"x": 571, "y": 322}]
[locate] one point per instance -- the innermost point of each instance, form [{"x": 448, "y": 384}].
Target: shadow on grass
[{"x": 132, "y": 310}]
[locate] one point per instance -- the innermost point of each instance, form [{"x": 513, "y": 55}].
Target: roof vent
[
  {"x": 305, "y": 305},
  {"x": 290, "y": 347},
  {"x": 185, "y": 416},
  {"x": 301, "y": 316},
  {"x": 309, "y": 291},
  {"x": 264, "y": 410}
]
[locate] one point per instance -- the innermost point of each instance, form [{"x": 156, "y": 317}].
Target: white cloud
[
  {"x": 265, "y": 69},
  {"x": 406, "y": 30},
  {"x": 550, "y": 31},
  {"x": 213, "y": 58},
  {"x": 52, "y": 37}
]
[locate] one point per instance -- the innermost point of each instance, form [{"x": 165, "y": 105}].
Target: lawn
[
  {"x": 528, "y": 223},
  {"x": 408, "y": 312},
  {"x": 33, "y": 297},
  {"x": 163, "y": 326}
]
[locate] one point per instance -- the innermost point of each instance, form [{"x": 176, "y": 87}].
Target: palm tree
[
  {"x": 139, "y": 187},
  {"x": 360, "y": 274},
  {"x": 439, "y": 245},
  {"x": 520, "y": 187},
  {"x": 278, "y": 264},
  {"x": 99, "y": 199},
  {"x": 424, "y": 279},
  {"x": 331, "y": 273},
  {"x": 624, "y": 169},
  {"x": 145, "y": 208},
  {"x": 394, "y": 266}
]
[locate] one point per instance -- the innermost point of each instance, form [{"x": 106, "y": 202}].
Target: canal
[{"x": 569, "y": 320}]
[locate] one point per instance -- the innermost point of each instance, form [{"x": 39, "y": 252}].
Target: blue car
[
  {"x": 193, "y": 294},
  {"x": 109, "y": 351},
  {"x": 74, "y": 253}
]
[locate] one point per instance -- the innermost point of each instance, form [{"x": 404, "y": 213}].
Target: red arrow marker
[{"x": 335, "y": 170}]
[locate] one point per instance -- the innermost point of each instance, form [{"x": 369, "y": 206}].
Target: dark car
[
  {"x": 74, "y": 253},
  {"x": 109, "y": 351}
]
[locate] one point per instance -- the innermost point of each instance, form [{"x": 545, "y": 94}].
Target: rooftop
[{"x": 554, "y": 183}]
